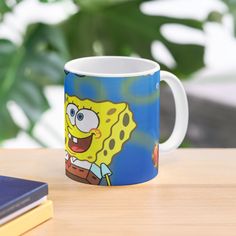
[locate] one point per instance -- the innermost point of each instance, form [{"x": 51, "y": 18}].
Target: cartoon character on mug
[{"x": 95, "y": 132}]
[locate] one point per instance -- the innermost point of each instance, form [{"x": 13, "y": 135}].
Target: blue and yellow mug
[{"x": 112, "y": 119}]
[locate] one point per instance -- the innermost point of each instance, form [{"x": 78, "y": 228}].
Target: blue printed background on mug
[{"x": 111, "y": 128}]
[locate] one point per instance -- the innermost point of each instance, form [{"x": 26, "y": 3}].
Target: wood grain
[{"x": 194, "y": 194}]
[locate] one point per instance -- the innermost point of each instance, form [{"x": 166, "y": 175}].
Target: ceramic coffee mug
[{"x": 112, "y": 119}]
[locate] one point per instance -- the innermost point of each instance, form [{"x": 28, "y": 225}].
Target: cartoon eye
[
  {"x": 86, "y": 120},
  {"x": 71, "y": 110},
  {"x": 80, "y": 116}
]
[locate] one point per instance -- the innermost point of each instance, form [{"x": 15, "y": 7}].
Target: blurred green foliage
[
  {"x": 101, "y": 27},
  {"x": 24, "y": 72}
]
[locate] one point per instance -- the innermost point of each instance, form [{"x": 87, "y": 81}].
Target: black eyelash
[{"x": 91, "y": 109}]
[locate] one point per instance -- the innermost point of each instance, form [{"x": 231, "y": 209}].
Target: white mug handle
[{"x": 181, "y": 111}]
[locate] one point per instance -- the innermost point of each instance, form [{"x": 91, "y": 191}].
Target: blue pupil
[
  {"x": 80, "y": 116},
  {"x": 72, "y": 112}
]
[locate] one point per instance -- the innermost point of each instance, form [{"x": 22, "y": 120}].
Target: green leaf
[
  {"x": 7, "y": 6},
  {"x": 120, "y": 28},
  {"x": 4, "y": 8},
  {"x": 91, "y": 5},
  {"x": 8, "y": 128},
  {"x": 31, "y": 99},
  {"x": 25, "y": 70}
]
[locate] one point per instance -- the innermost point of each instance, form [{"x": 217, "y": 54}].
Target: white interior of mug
[{"x": 112, "y": 66}]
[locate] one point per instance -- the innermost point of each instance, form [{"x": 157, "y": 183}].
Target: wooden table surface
[{"x": 194, "y": 194}]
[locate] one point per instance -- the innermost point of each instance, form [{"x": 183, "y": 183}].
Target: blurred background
[{"x": 195, "y": 39}]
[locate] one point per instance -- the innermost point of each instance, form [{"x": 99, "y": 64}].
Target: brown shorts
[{"x": 80, "y": 174}]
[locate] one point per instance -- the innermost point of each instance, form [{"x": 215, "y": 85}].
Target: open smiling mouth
[{"x": 79, "y": 144}]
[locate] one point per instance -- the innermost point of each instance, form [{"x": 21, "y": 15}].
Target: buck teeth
[{"x": 75, "y": 140}]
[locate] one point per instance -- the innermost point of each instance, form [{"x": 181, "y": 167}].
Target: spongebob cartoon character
[{"x": 94, "y": 133}]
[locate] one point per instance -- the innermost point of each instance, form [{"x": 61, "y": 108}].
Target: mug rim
[{"x": 150, "y": 67}]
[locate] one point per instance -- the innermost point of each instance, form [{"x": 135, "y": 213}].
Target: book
[
  {"x": 28, "y": 220},
  {"x": 21, "y": 211},
  {"x": 16, "y": 194}
]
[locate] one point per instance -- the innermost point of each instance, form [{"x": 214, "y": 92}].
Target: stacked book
[{"x": 23, "y": 205}]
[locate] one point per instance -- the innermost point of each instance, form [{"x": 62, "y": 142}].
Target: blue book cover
[{"x": 18, "y": 193}]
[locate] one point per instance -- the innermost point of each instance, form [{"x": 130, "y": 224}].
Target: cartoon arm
[{"x": 106, "y": 172}]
